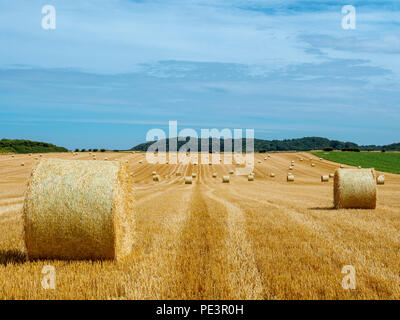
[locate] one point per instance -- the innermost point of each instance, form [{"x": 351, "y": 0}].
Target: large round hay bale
[
  {"x": 250, "y": 177},
  {"x": 79, "y": 210},
  {"x": 156, "y": 178},
  {"x": 324, "y": 178},
  {"x": 380, "y": 179},
  {"x": 214, "y": 175},
  {"x": 312, "y": 164},
  {"x": 355, "y": 189},
  {"x": 331, "y": 175},
  {"x": 231, "y": 172},
  {"x": 290, "y": 178},
  {"x": 225, "y": 179},
  {"x": 272, "y": 175},
  {"x": 188, "y": 180},
  {"x": 194, "y": 175}
]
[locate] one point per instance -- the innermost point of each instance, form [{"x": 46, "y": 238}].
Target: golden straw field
[{"x": 261, "y": 239}]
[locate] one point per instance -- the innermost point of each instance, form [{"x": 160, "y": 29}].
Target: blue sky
[{"x": 114, "y": 69}]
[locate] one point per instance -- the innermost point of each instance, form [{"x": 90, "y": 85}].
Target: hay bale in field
[
  {"x": 140, "y": 161},
  {"x": 341, "y": 166},
  {"x": 188, "y": 180},
  {"x": 178, "y": 174},
  {"x": 156, "y": 178},
  {"x": 36, "y": 158},
  {"x": 359, "y": 167},
  {"x": 324, "y": 178},
  {"x": 331, "y": 175},
  {"x": 22, "y": 164},
  {"x": 194, "y": 175},
  {"x": 214, "y": 175},
  {"x": 225, "y": 179},
  {"x": 321, "y": 159},
  {"x": 126, "y": 161},
  {"x": 312, "y": 164},
  {"x": 355, "y": 189},
  {"x": 250, "y": 177},
  {"x": 380, "y": 179},
  {"x": 259, "y": 161},
  {"x": 290, "y": 178},
  {"x": 105, "y": 159},
  {"x": 272, "y": 175},
  {"x": 30, "y": 154},
  {"x": 301, "y": 159},
  {"x": 265, "y": 158},
  {"x": 231, "y": 172},
  {"x": 154, "y": 173},
  {"x": 291, "y": 168},
  {"x": 78, "y": 210}
]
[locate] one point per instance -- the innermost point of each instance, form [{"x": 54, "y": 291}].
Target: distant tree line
[{"x": 302, "y": 144}]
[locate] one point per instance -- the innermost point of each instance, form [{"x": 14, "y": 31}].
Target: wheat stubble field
[{"x": 265, "y": 239}]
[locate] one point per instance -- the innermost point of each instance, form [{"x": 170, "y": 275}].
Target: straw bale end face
[
  {"x": 76, "y": 210},
  {"x": 354, "y": 189}
]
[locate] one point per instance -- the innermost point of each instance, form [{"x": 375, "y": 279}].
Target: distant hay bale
[
  {"x": 324, "y": 178},
  {"x": 194, "y": 175},
  {"x": 259, "y": 161},
  {"x": 22, "y": 164},
  {"x": 30, "y": 154},
  {"x": 214, "y": 175},
  {"x": 126, "y": 161},
  {"x": 167, "y": 162},
  {"x": 355, "y": 189},
  {"x": 290, "y": 178},
  {"x": 292, "y": 161},
  {"x": 250, "y": 177},
  {"x": 178, "y": 174},
  {"x": 359, "y": 167},
  {"x": 301, "y": 159},
  {"x": 12, "y": 156},
  {"x": 78, "y": 210},
  {"x": 312, "y": 164},
  {"x": 156, "y": 178},
  {"x": 320, "y": 159},
  {"x": 380, "y": 179},
  {"x": 140, "y": 161},
  {"x": 40, "y": 155},
  {"x": 225, "y": 179},
  {"x": 265, "y": 158},
  {"x": 231, "y": 172},
  {"x": 106, "y": 159},
  {"x": 341, "y": 166},
  {"x": 36, "y": 158},
  {"x": 188, "y": 180},
  {"x": 272, "y": 175},
  {"x": 331, "y": 175},
  {"x": 154, "y": 173},
  {"x": 290, "y": 168}
]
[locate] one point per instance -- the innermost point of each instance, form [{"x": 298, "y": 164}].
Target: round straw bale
[
  {"x": 301, "y": 159},
  {"x": 341, "y": 166},
  {"x": 30, "y": 154},
  {"x": 359, "y": 167},
  {"x": 355, "y": 188},
  {"x": 231, "y": 172},
  {"x": 214, "y": 175},
  {"x": 156, "y": 177},
  {"x": 272, "y": 175},
  {"x": 22, "y": 164},
  {"x": 265, "y": 158},
  {"x": 12, "y": 156},
  {"x": 380, "y": 179},
  {"x": 188, "y": 180},
  {"x": 77, "y": 210},
  {"x": 225, "y": 179},
  {"x": 140, "y": 161},
  {"x": 312, "y": 164},
  {"x": 250, "y": 177},
  {"x": 290, "y": 168},
  {"x": 154, "y": 173},
  {"x": 324, "y": 178},
  {"x": 106, "y": 159},
  {"x": 290, "y": 178},
  {"x": 194, "y": 175},
  {"x": 259, "y": 161},
  {"x": 331, "y": 175}
]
